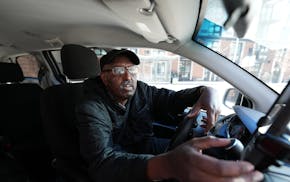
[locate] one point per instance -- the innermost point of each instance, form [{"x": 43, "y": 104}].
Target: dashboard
[
  {"x": 242, "y": 125},
  {"x": 231, "y": 127}
]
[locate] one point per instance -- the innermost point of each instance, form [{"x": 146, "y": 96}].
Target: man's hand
[
  {"x": 208, "y": 101},
  {"x": 186, "y": 163}
]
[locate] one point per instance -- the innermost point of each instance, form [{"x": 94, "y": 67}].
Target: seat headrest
[
  {"x": 79, "y": 62},
  {"x": 10, "y": 72}
]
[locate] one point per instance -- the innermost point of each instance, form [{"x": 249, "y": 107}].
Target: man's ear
[
  {"x": 103, "y": 78},
  {"x": 102, "y": 75}
]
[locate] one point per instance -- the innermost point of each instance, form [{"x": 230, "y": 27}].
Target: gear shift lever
[{"x": 234, "y": 149}]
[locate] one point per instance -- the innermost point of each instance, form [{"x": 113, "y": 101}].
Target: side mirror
[
  {"x": 231, "y": 97},
  {"x": 235, "y": 97}
]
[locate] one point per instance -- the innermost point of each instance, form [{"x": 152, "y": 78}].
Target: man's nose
[{"x": 127, "y": 75}]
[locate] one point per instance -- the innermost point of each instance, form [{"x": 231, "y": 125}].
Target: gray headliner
[{"x": 28, "y": 25}]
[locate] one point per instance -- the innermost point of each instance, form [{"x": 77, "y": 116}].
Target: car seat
[
  {"x": 58, "y": 111},
  {"x": 20, "y": 124}
]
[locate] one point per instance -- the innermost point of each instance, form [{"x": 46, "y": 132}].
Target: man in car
[{"x": 116, "y": 132}]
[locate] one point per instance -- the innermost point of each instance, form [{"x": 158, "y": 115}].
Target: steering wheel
[
  {"x": 182, "y": 132},
  {"x": 188, "y": 128}
]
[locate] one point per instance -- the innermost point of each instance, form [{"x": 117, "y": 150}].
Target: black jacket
[{"x": 106, "y": 128}]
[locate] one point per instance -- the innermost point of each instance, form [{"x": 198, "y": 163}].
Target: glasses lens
[
  {"x": 118, "y": 70},
  {"x": 121, "y": 70},
  {"x": 133, "y": 69}
]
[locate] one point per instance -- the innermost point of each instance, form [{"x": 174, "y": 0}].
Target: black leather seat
[
  {"x": 20, "y": 124},
  {"x": 58, "y": 111}
]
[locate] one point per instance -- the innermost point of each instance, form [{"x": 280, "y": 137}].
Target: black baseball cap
[{"x": 113, "y": 54}]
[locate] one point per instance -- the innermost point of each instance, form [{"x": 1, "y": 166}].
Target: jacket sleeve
[
  {"x": 170, "y": 103},
  {"x": 104, "y": 162}
]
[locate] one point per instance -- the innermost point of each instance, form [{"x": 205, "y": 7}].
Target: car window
[
  {"x": 34, "y": 71},
  {"x": 30, "y": 68},
  {"x": 165, "y": 69},
  {"x": 263, "y": 51},
  {"x": 57, "y": 58}
]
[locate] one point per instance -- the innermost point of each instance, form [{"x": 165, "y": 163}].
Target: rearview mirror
[{"x": 240, "y": 15}]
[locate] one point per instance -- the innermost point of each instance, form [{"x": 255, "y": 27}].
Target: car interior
[{"x": 48, "y": 48}]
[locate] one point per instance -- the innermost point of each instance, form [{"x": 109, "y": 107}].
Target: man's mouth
[{"x": 128, "y": 87}]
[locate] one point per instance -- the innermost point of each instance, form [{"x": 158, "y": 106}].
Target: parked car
[{"x": 241, "y": 48}]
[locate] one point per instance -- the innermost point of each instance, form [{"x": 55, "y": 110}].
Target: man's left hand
[{"x": 208, "y": 101}]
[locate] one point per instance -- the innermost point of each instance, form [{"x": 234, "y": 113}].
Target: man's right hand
[{"x": 186, "y": 163}]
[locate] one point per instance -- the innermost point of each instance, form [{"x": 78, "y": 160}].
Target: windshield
[{"x": 263, "y": 51}]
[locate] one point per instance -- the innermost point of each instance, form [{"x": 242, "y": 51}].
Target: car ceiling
[{"x": 30, "y": 25}]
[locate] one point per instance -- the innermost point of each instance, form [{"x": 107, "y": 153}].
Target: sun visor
[
  {"x": 249, "y": 117},
  {"x": 140, "y": 17}
]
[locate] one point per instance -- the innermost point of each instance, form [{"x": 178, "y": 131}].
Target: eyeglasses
[{"x": 120, "y": 70}]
